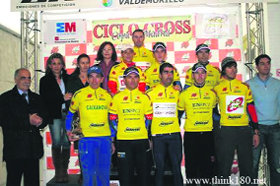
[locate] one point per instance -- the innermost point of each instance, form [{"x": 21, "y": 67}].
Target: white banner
[
  {"x": 32, "y": 5},
  {"x": 64, "y": 31}
]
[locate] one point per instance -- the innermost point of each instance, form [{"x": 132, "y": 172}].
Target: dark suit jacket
[
  {"x": 52, "y": 95},
  {"x": 21, "y": 139}
]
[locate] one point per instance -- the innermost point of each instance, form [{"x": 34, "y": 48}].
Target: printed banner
[
  {"x": 156, "y": 29},
  {"x": 64, "y": 31},
  {"x": 215, "y": 25},
  {"x": 32, "y": 5}
]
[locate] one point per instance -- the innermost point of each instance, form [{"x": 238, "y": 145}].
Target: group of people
[{"x": 133, "y": 108}]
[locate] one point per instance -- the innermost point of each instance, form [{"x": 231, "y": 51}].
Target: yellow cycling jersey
[
  {"x": 131, "y": 108},
  {"x": 233, "y": 97},
  {"x": 93, "y": 106},
  {"x": 198, "y": 104},
  {"x": 165, "y": 115},
  {"x": 213, "y": 76},
  {"x": 143, "y": 57},
  {"x": 116, "y": 75},
  {"x": 152, "y": 75}
]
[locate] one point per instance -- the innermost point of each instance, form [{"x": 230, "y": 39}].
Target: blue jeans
[
  {"x": 270, "y": 136},
  {"x": 168, "y": 145},
  {"x": 95, "y": 157},
  {"x": 58, "y": 133}
]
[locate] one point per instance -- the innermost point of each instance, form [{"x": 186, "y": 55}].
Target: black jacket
[
  {"x": 52, "y": 95},
  {"x": 74, "y": 83},
  {"x": 21, "y": 139}
]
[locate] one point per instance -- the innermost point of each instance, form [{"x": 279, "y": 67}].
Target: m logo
[{"x": 66, "y": 27}]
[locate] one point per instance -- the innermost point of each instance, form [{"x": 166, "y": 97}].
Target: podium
[{"x": 73, "y": 181}]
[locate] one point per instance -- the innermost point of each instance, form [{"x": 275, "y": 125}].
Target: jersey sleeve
[
  {"x": 113, "y": 108},
  {"x": 176, "y": 75},
  {"x": 75, "y": 102},
  {"x": 215, "y": 100},
  {"x": 113, "y": 74},
  {"x": 142, "y": 82},
  {"x": 142, "y": 76},
  {"x": 188, "y": 78},
  {"x": 249, "y": 96},
  {"x": 147, "y": 77},
  {"x": 148, "y": 106},
  {"x": 113, "y": 79},
  {"x": 151, "y": 57},
  {"x": 109, "y": 100},
  {"x": 181, "y": 103}
]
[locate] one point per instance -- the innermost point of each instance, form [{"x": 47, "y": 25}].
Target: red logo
[
  {"x": 125, "y": 98},
  {"x": 72, "y": 102},
  {"x": 185, "y": 44},
  {"x": 235, "y": 104},
  {"x": 89, "y": 96},
  {"x": 187, "y": 77},
  {"x": 123, "y": 68},
  {"x": 113, "y": 72},
  {"x": 111, "y": 104},
  {"x": 225, "y": 89},
  {"x": 194, "y": 94},
  {"x": 229, "y": 42},
  {"x": 56, "y": 38},
  {"x": 54, "y": 50},
  {"x": 160, "y": 94},
  {"x": 155, "y": 70}
]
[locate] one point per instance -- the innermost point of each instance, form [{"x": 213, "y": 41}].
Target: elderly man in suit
[{"x": 22, "y": 115}]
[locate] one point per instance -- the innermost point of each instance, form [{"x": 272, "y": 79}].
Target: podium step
[
  {"x": 73, "y": 181},
  {"x": 74, "y": 178}
]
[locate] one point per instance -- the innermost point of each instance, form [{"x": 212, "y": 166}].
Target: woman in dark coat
[
  {"x": 54, "y": 95},
  {"x": 78, "y": 79}
]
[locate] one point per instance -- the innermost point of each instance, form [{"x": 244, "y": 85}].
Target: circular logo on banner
[{"x": 107, "y": 3}]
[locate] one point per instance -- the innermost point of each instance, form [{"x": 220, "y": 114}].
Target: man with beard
[{"x": 236, "y": 105}]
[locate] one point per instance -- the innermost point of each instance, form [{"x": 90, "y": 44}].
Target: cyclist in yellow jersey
[
  {"x": 92, "y": 103},
  {"x": 213, "y": 73},
  {"x": 143, "y": 57},
  {"x": 236, "y": 106},
  {"x": 116, "y": 79},
  {"x": 198, "y": 102},
  {"x": 131, "y": 114},
  {"x": 165, "y": 127},
  {"x": 152, "y": 73}
]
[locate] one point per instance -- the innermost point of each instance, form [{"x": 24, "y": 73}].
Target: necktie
[{"x": 25, "y": 96}]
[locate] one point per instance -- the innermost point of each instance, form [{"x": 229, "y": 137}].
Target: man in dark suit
[{"x": 22, "y": 115}]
